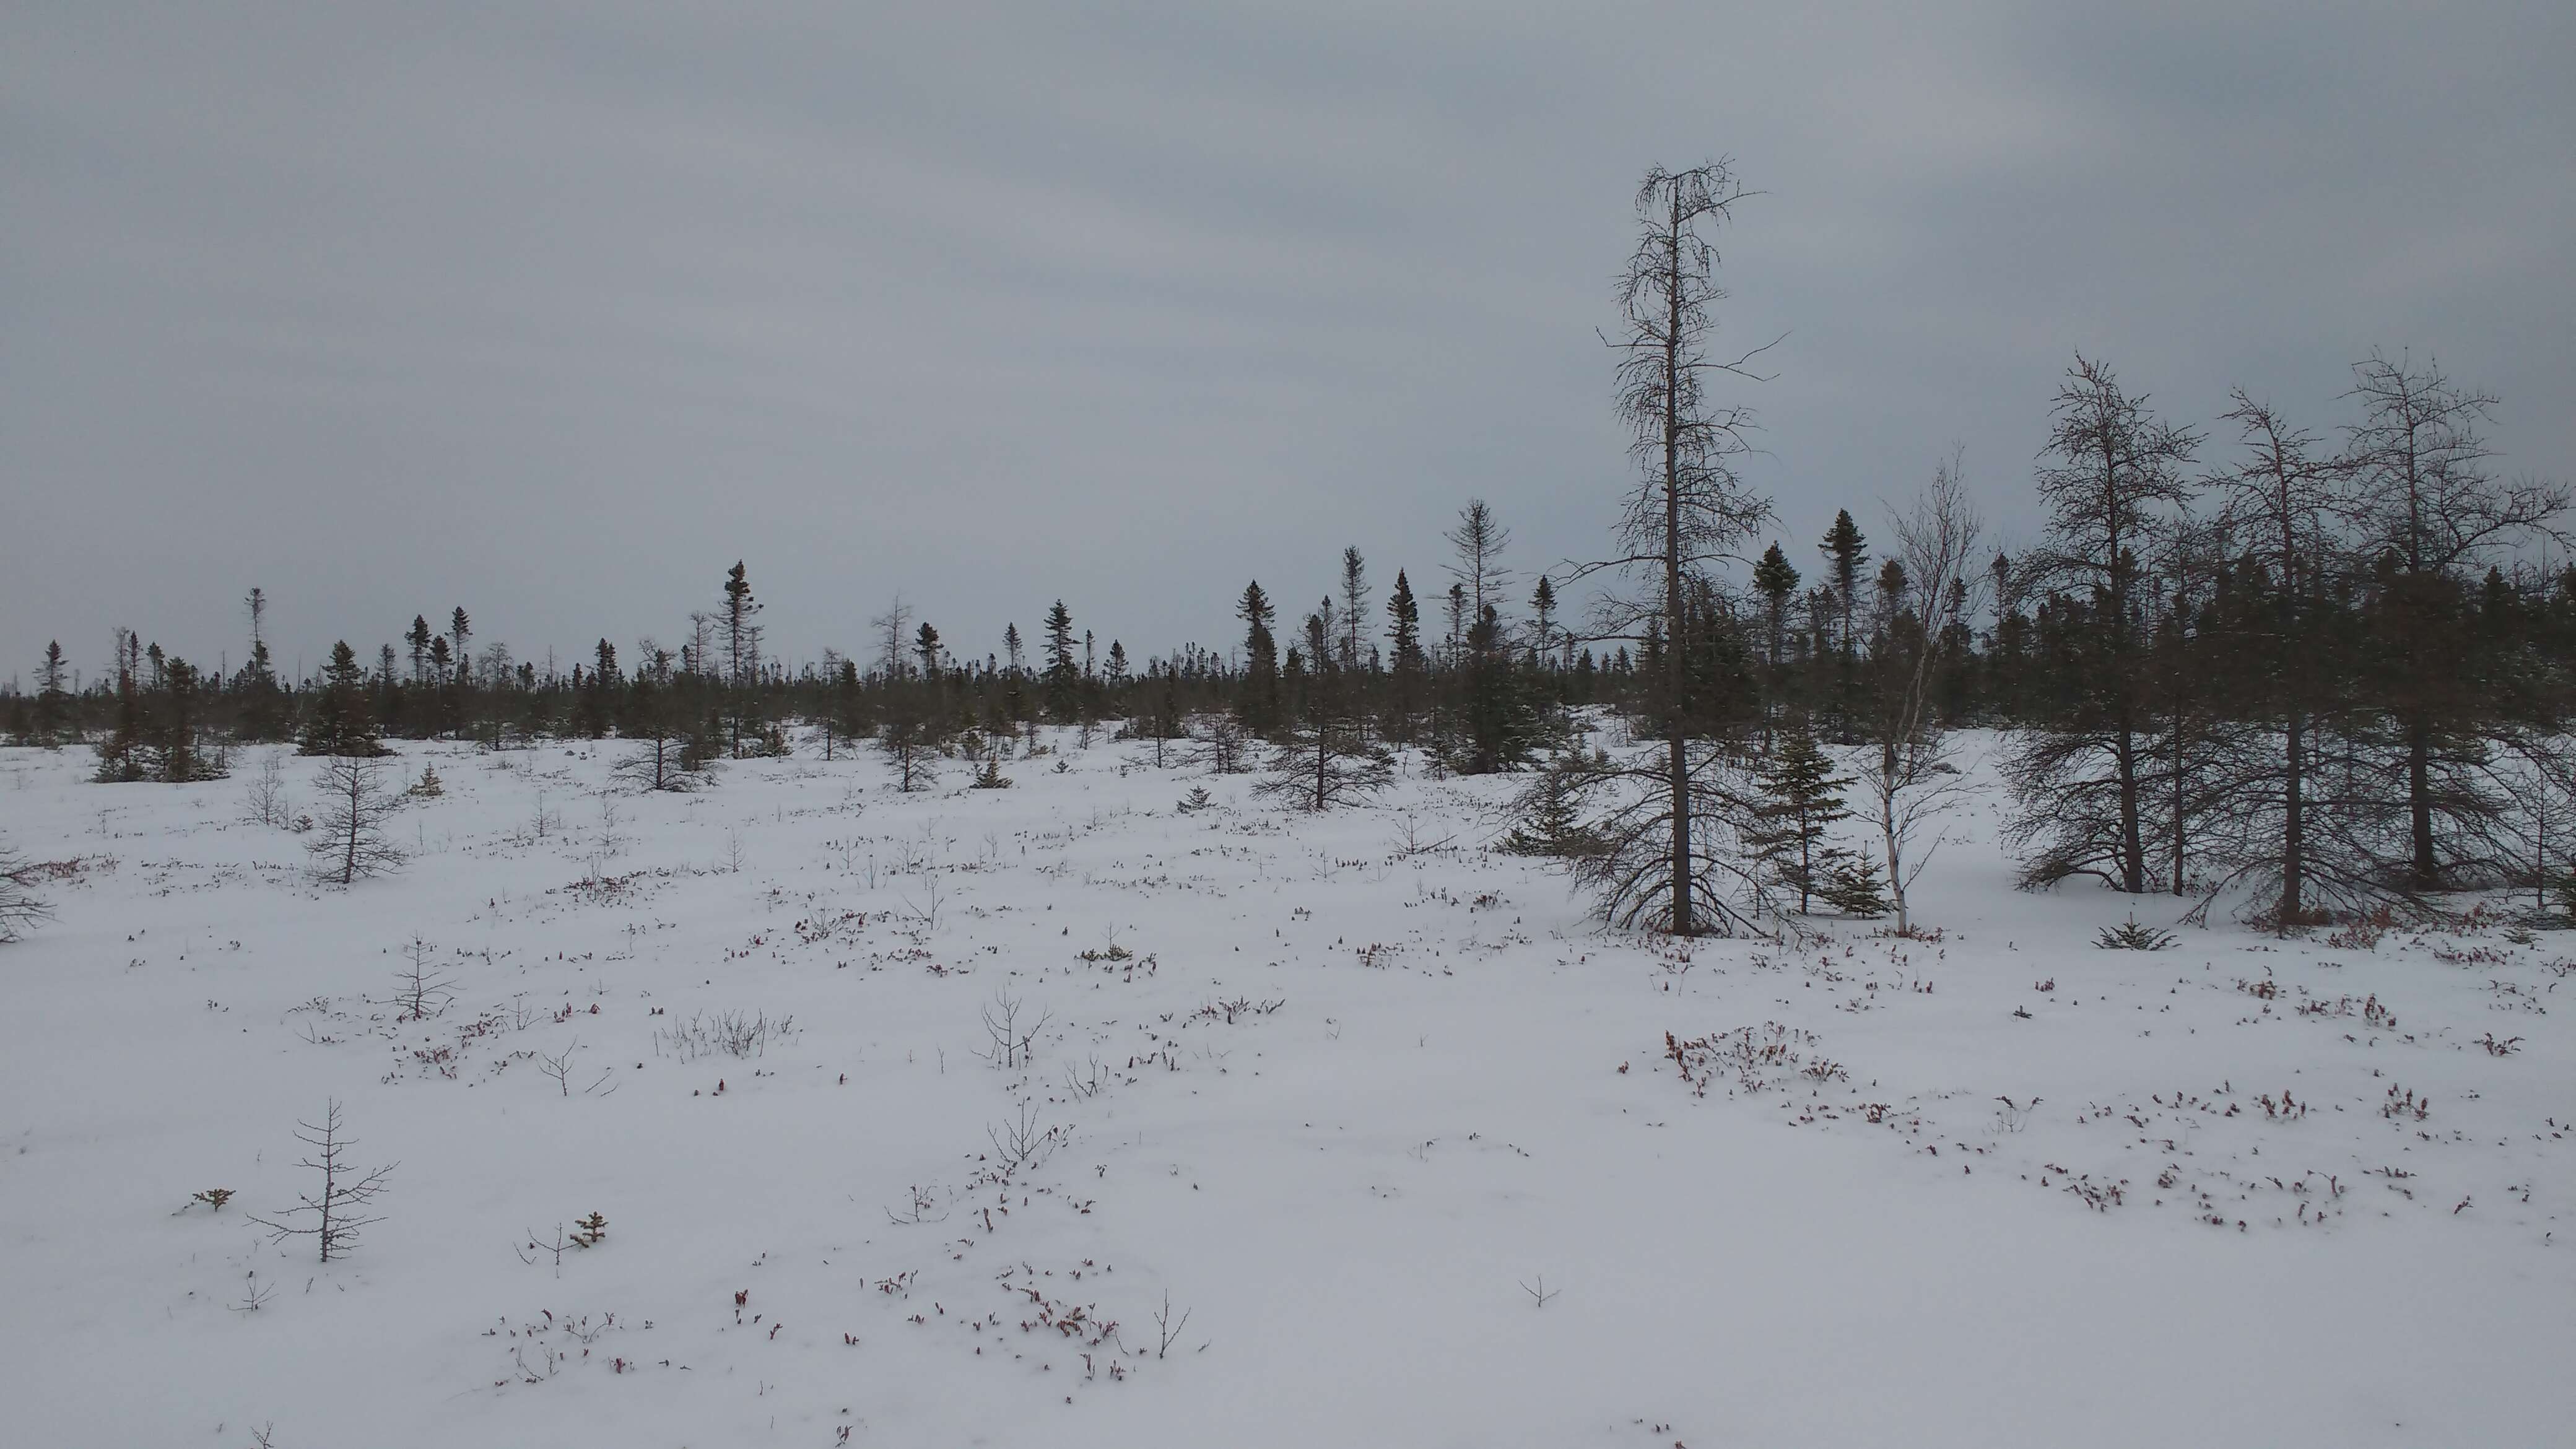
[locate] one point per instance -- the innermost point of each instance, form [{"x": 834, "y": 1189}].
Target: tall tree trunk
[
  {"x": 1677, "y": 761},
  {"x": 2133, "y": 849},
  {"x": 2179, "y": 824},
  {"x": 2419, "y": 801},
  {"x": 2294, "y": 841}
]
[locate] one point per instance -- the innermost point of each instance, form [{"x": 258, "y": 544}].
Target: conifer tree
[
  {"x": 418, "y": 639},
  {"x": 1408, "y": 667},
  {"x": 1478, "y": 540},
  {"x": 459, "y": 631},
  {"x": 599, "y": 706},
  {"x": 1543, "y": 628},
  {"x": 925, "y": 644},
  {"x": 1497, "y": 721},
  {"x": 1063, "y": 676},
  {"x": 1801, "y": 801},
  {"x": 1258, "y": 706},
  {"x": 1325, "y": 759},
  {"x": 2116, "y": 477},
  {"x": 1165, "y": 718},
  {"x": 739, "y": 639},
  {"x": 1776, "y": 581},
  {"x": 1846, "y": 550},
  {"x": 2286, "y": 504},
  {"x": 341, "y": 723},
  {"x": 846, "y": 716},
  {"x": 658, "y": 716},
  {"x": 1355, "y": 597},
  {"x": 1553, "y": 825},
  {"x": 260, "y": 708},
  {"x": 2428, "y": 512},
  {"x": 355, "y": 801},
  {"x": 120, "y": 755},
  {"x": 53, "y": 702},
  {"x": 1663, "y": 861},
  {"x": 177, "y": 717}
]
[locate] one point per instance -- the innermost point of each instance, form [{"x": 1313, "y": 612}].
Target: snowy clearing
[{"x": 908, "y": 1115}]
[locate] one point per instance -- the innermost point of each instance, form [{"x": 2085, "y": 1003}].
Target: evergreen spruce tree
[
  {"x": 1801, "y": 799},
  {"x": 1355, "y": 597},
  {"x": 739, "y": 638},
  {"x": 1543, "y": 630},
  {"x": 1776, "y": 581},
  {"x": 1497, "y": 720},
  {"x": 341, "y": 724},
  {"x": 460, "y": 630},
  {"x": 1553, "y": 825},
  {"x": 1408, "y": 668},
  {"x": 1845, "y": 551},
  {"x": 418, "y": 639},
  {"x": 1258, "y": 705},
  {"x": 52, "y": 713},
  {"x": 1063, "y": 676},
  {"x": 599, "y": 705},
  {"x": 846, "y": 716},
  {"x": 120, "y": 755},
  {"x": 260, "y": 703}
]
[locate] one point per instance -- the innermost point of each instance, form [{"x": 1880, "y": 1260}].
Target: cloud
[{"x": 556, "y": 310}]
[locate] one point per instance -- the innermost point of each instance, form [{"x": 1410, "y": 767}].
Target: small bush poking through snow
[
  {"x": 2130, "y": 936},
  {"x": 733, "y": 1033}
]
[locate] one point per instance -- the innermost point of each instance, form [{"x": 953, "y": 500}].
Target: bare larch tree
[
  {"x": 333, "y": 1216},
  {"x": 1687, "y": 513}
]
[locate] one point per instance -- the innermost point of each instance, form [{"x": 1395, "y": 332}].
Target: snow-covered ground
[{"x": 1350, "y": 1092}]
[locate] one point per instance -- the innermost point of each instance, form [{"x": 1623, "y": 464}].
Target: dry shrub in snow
[
  {"x": 734, "y": 1033},
  {"x": 21, "y": 909}
]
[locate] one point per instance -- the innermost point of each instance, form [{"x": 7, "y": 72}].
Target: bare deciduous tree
[{"x": 1906, "y": 768}]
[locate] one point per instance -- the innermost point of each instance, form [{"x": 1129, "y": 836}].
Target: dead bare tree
[
  {"x": 1906, "y": 769},
  {"x": 355, "y": 803},
  {"x": 333, "y": 1216},
  {"x": 1687, "y": 514}
]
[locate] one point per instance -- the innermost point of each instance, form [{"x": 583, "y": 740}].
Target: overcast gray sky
[{"x": 555, "y": 310}]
